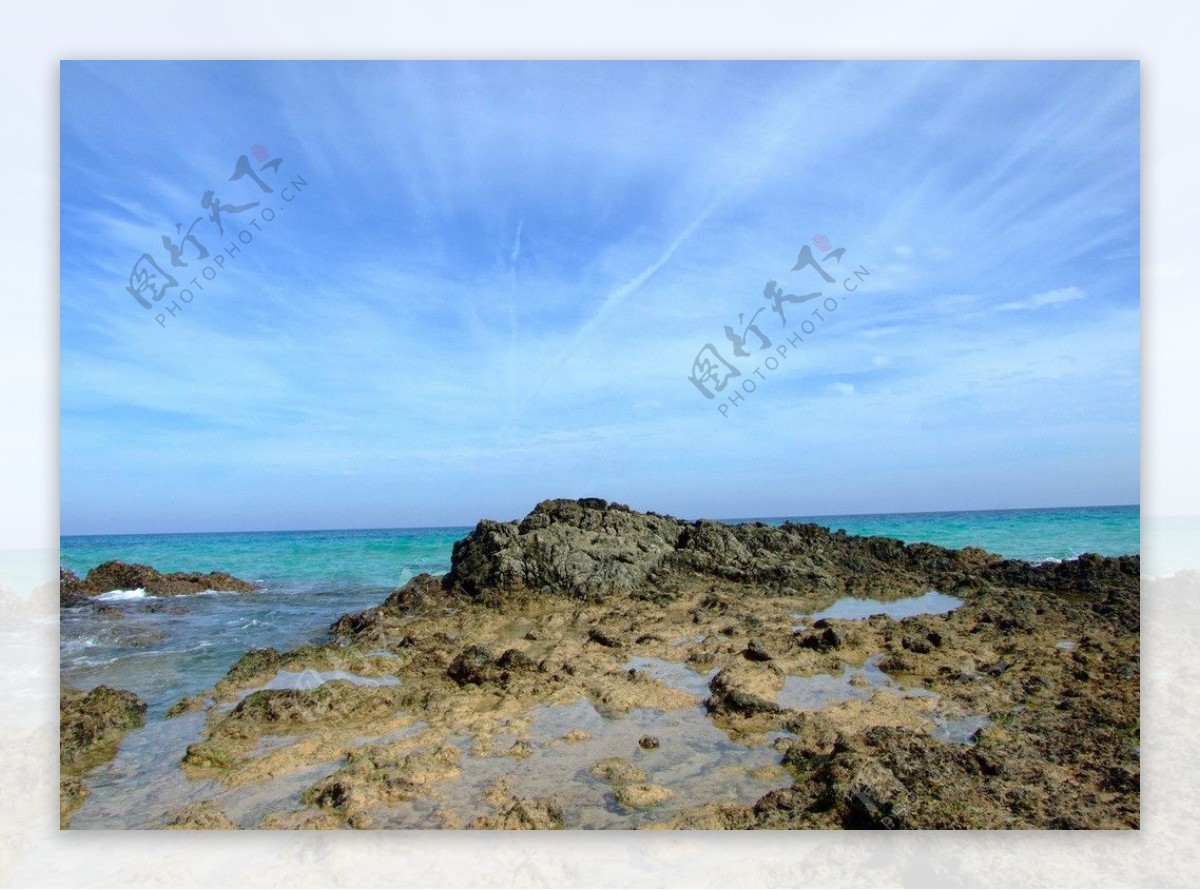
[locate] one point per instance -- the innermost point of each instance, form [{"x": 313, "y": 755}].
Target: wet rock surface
[
  {"x": 91, "y": 727},
  {"x": 519, "y": 814},
  {"x": 594, "y": 666},
  {"x": 746, "y": 690},
  {"x": 200, "y": 817}
]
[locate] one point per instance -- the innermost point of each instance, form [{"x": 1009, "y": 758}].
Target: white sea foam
[
  {"x": 79, "y": 644},
  {"x": 116, "y": 595}
]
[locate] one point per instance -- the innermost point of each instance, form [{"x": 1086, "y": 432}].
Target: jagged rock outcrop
[
  {"x": 585, "y": 549},
  {"x": 589, "y": 549}
]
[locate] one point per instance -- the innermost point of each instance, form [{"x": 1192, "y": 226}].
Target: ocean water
[
  {"x": 1033, "y": 535},
  {"x": 165, "y": 648},
  {"x": 292, "y": 562}
]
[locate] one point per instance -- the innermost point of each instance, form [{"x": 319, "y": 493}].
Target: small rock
[
  {"x": 746, "y": 688},
  {"x": 997, "y": 668},
  {"x": 641, "y": 794},
  {"x": 117, "y": 575},
  {"x": 648, "y": 742},
  {"x": 522, "y": 814},
  {"x": 200, "y": 817},
  {"x": 498, "y": 792},
  {"x": 255, "y": 665},
  {"x": 520, "y": 749},
  {"x": 827, "y": 638},
  {"x": 916, "y": 644},
  {"x": 873, "y": 798},
  {"x": 617, "y": 771},
  {"x": 473, "y": 665},
  {"x": 815, "y": 738},
  {"x": 516, "y": 660},
  {"x": 186, "y": 705},
  {"x": 301, "y": 820},
  {"x": 755, "y": 651},
  {"x": 598, "y": 636}
]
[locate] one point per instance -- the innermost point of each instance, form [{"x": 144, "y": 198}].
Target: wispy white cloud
[{"x": 1045, "y": 298}]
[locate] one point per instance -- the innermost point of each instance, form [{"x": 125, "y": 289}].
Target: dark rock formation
[
  {"x": 585, "y": 549},
  {"x": 117, "y": 575},
  {"x": 590, "y": 549},
  {"x": 70, "y": 588},
  {"x": 474, "y": 665}
]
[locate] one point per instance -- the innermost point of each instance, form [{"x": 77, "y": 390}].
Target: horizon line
[{"x": 725, "y": 520}]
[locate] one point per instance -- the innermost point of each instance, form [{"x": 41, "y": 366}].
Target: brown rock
[
  {"x": 200, "y": 817},
  {"x": 521, "y": 814}
]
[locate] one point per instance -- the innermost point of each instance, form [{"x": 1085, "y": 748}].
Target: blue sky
[{"x": 491, "y": 285}]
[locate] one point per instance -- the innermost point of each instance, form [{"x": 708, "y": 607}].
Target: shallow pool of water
[
  {"x": 959, "y": 730},
  {"x": 694, "y": 759},
  {"x": 310, "y": 679},
  {"x": 675, "y": 674},
  {"x": 851, "y": 608},
  {"x": 144, "y": 784},
  {"x": 817, "y": 691}
]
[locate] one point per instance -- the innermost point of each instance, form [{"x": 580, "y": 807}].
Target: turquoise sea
[
  {"x": 1033, "y": 535},
  {"x": 164, "y": 649}
]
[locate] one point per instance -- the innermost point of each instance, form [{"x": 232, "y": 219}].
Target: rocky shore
[{"x": 592, "y": 666}]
